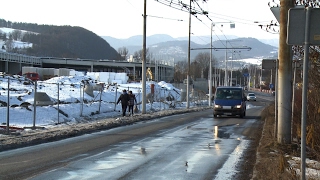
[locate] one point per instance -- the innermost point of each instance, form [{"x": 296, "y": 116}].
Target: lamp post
[
  {"x": 226, "y": 61},
  {"x": 210, "y": 69},
  {"x": 232, "y": 25},
  {"x": 231, "y": 69}
]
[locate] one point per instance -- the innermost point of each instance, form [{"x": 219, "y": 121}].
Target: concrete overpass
[{"x": 12, "y": 63}]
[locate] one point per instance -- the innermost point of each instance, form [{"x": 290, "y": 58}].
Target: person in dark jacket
[
  {"x": 124, "y": 98},
  {"x": 131, "y": 102}
]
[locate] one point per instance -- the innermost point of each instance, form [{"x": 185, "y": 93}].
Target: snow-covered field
[{"x": 75, "y": 102}]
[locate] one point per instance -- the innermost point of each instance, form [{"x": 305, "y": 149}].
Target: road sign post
[{"x": 304, "y": 21}]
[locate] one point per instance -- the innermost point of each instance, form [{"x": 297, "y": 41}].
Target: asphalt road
[{"x": 186, "y": 146}]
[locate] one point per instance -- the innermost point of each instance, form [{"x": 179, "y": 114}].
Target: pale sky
[{"x": 123, "y": 18}]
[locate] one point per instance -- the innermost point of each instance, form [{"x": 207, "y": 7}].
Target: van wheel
[{"x": 214, "y": 115}]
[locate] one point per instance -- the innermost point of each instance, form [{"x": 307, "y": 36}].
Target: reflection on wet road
[{"x": 203, "y": 149}]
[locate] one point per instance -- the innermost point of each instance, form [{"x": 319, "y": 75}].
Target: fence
[{"x": 66, "y": 102}]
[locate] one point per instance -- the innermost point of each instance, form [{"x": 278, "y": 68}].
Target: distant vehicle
[
  {"x": 33, "y": 76},
  {"x": 229, "y": 101},
  {"x": 251, "y": 96}
]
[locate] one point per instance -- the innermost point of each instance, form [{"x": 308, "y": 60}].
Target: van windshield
[{"x": 226, "y": 93}]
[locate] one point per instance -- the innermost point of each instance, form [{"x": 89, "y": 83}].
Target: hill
[
  {"x": 58, "y": 41},
  {"x": 166, "y": 47},
  {"x": 137, "y": 40},
  {"x": 77, "y": 42}
]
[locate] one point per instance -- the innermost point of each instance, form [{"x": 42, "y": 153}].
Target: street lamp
[
  {"x": 210, "y": 69},
  {"x": 231, "y": 69}
]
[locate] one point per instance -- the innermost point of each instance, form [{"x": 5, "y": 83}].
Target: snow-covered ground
[
  {"x": 16, "y": 44},
  {"x": 74, "y": 103}
]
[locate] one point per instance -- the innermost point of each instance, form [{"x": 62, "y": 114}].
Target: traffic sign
[
  {"x": 297, "y": 24},
  {"x": 269, "y": 63},
  {"x": 271, "y": 86}
]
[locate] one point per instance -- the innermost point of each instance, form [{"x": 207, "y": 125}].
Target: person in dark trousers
[
  {"x": 131, "y": 102},
  {"x": 124, "y": 98}
]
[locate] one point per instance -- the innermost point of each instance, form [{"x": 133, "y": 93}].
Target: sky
[{"x": 124, "y": 18}]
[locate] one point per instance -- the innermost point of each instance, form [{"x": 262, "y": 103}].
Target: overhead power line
[
  {"x": 164, "y": 18},
  {"x": 179, "y": 5}
]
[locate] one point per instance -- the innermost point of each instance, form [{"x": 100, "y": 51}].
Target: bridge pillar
[
  {"x": 6, "y": 67},
  {"x": 134, "y": 73}
]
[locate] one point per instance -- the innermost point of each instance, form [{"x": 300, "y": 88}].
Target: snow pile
[{"x": 312, "y": 167}]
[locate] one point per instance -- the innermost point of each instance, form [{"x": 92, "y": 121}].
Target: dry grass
[{"x": 271, "y": 162}]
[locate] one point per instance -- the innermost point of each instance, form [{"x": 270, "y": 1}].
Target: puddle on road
[
  {"x": 220, "y": 133},
  {"x": 189, "y": 145},
  {"x": 146, "y": 149}
]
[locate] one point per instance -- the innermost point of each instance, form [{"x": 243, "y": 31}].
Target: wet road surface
[{"x": 187, "y": 146}]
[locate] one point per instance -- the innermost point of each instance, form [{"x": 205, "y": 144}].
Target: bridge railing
[{"x": 20, "y": 58}]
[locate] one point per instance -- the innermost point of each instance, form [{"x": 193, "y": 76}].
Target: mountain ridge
[
  {"x": 157, "y": 38},
  {"x": 167, "y": 47}
]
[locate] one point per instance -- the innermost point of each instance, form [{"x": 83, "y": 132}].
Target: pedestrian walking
[
  {"x": 132, "y": 102},
  {"x": 124, "y": 98}
]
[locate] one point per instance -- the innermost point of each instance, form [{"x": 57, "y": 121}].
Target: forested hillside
[{"x": 57, "y": 41}]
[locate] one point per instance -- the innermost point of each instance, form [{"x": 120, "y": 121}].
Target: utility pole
[
  {"x": 188, "y": 73},
  {"x": 255, "y": 74},
  {"x": 144, "y": 98},
  {"x": 231, "y": 69},
  {"x": 210, "y": 69},
  {"x": 284, "y": 88}
]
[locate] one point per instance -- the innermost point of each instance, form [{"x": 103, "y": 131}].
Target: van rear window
[{"x": 225, "y": 93}]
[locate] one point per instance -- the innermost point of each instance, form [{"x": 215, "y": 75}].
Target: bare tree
[
  {"x": 123, "y": 52},
  {"x": 9, "y": 45},
  {"x": 17, "y": 35},
  {"x": 200, "y": 65},
  {"x": 138, "y": 55},
  {"x": 180, "y": 71}
]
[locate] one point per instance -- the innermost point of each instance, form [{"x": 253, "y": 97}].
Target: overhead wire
[
  {"x": 245, "y": 21},
  {"x": 179, "y": 5},
  {"x": 164, "y": 18},
  {"x": 184, "y": 7},
  {"x": 206, "y": 14}
]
